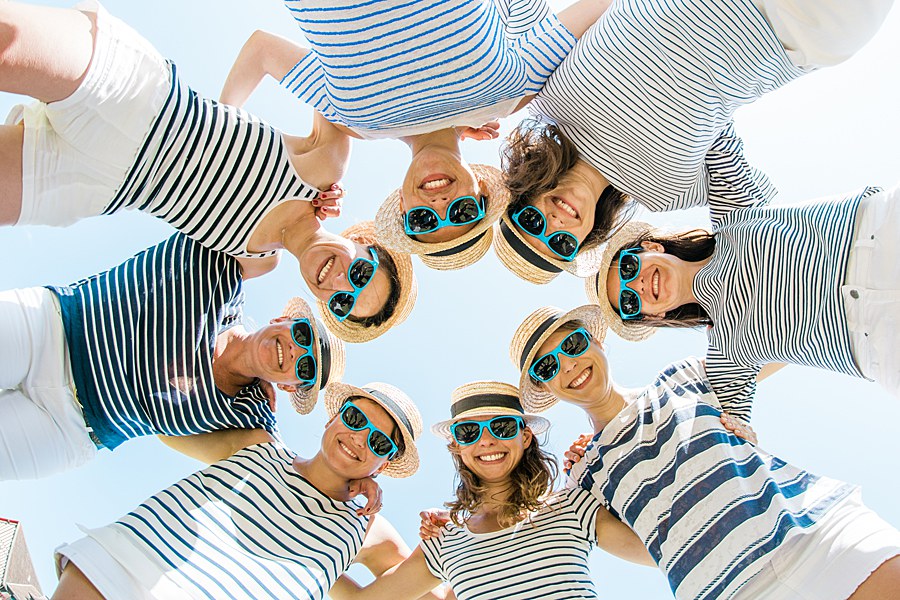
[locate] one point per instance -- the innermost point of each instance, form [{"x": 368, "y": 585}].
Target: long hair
[
  {"x": 386, "y": 263},
  {"x": 529, "y": 484}
]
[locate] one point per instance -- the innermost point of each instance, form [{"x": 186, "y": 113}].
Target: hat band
[
  {"x": 395, "y": 409},
  {"x": 534, "y": 337},
  {"x": 457, "y": 249},
  {"x": 483, "y": 400},
  {"x": 324, "y": 353},
  {"x": 526, "y": 251}
]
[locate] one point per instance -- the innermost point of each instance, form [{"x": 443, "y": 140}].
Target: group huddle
[{"x": 631, "y": 103}]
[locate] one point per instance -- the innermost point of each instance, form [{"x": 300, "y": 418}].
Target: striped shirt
[
  {"x": 773, "y": 291},
  {"x": 648, "y": 94},
  {"x": 389, "y": 68},
  {"x": 141, "y": 338},
  {"x": 248, "y": 527},
  {"x": 211, "y": 171},
  {"x": 545, "y": 556},
  {"x": 712, "y": 509}
]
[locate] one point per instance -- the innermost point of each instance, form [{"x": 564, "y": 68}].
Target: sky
[{"x": 831, "y": 131}]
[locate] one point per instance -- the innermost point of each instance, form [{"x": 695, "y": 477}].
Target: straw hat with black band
[
  {"x": 458, "y": 253},
  {"x": 633, "y": 330},
  {"x": 327, "y": 350},
  {"x": 348, "y": 330},
  {"x": 398, "y": 405},
  {"x": 487, "y": 398},
  {"x": 531, "y": 335},
  {"x": 519, "y": 257}
]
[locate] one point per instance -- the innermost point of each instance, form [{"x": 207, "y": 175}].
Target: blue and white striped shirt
[
  {"x": 648, "y": 94},
  {"x": 389, "y": 68},
  {"x": 246, "y": 527},
  {"x": 211, "y": 171},
  {"x": 773, "y": 291},
  {"x": 711, "y": 508},
  {"x": 141, "y": 338},
  {"x": 544, "y": 557}
]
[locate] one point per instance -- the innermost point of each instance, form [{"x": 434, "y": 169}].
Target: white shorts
[
  {"x": 110, "y": 578},
  {"x": 830, "y": 562},
  {"x": 77, "y": 151}
]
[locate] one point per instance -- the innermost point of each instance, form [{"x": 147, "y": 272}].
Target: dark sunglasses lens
[
  {"x": 531, "y": 220},
  {"x": 629, "y": 302},
  {"x": 575, "y": 344},
  {"x": 341, "y": 304},
  {"x": 302, "y": 333},
  {"x": 360, "y": 272},
  {"x": 421, "y": 220},
  {"x": 380, "y": 443},
  {"x": 466, "y": 433},
  {"x": 564, "y": 244},
  {"x": 306, "y": 368},
  {"x": 629, "y": 267},
  {"x": 504, "y": 428},
  {"x": 354, "y": 418},
  {"x": 546, "y": 368},
  {"x": 464, "y": 210}
]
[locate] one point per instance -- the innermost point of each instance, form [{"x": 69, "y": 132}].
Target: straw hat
[
  {"x": 398, "y": 405},
  {"x": 595, "y": 286},
  {"x": 347, "y": 330},
  {"x": 519, "y": 257},
  {"x": 454, "y": 254},
  {"x": 327, "y": 350},
  {"x": 530, "y": 336},
  {"x": 487, "y": 398}
]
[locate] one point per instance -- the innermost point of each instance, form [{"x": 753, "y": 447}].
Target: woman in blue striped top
[
  {"x": 811, "y": 284},
  {"x": 721, "y": 517}
]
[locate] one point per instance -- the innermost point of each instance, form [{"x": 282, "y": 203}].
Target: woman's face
[
  {"x": 581, "y": 380},
  {"x": 664, "y": 282},
  {"x": 491, "y": 459},
  {"x": 347, "y": 451},
  {"x": 324, "y": 265},
  {"x": 275, "y": 353}
]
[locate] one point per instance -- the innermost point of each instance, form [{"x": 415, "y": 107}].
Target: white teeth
[
  {"x": 435, "y": 184},
  {"x": 581, "y": 378},
  {"x": 491, "y": 457},
  {"x": 565, "y": 207},
  {"x": 324, "y": 272},
  {"x": 280, "y": 353},
  {"x": 348, "y": 451},
  {"x": 655, "y": 282}
]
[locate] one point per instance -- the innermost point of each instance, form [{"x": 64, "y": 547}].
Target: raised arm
[
  {"x": 580, "y": 16},
  {"x": 620, "y": 540},
  {"x": 216, "y": 445},
  {"x": 263, "y": 54}
]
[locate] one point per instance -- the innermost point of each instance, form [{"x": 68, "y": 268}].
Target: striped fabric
[
  {"x": 648, "y": 94},
  {"x": 141, "y": 338},
  {"x": 711, "y": 508},
  {"x": 247, "y": 527},
  {"x": 544, "y": 557},
  {"x": 210, "y": 170},
  {"x": 773, "y": 290},
  {"x": 387, "y": 68}
]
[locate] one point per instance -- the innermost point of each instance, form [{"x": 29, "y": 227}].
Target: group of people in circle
[{"x": 631, "y": 103}]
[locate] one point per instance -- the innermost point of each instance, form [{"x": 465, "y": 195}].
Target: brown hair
[
  {"x": 390, "y": 269},
  {"x": 536, "y": 158}
]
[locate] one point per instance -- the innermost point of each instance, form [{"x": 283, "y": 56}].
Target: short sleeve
[
  {"x": 431, "y": 548},
  {"x": 734, "y": 384},
  {"x": 253, "y": 402},
  {"x": 520, "y": 16},
  {"x": 584, "y": 507},
  {"x": 541, "y": 49},
  {"x": 306, "y": 81},
  {"x": 733, "y": 182}
]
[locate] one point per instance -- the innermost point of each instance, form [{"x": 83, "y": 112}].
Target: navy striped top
[
  {"x": 712, "y": 509},
  {"x": 648, "y": 94},
  {"x": 389, "y": 68},
  {"x": 210, "y": 170},
  {"x": 545, "y": 556},
  {"x": 141, "y": 340},
  {"x": 773, "y": 291},
  {"x": 247, "y": 527}
]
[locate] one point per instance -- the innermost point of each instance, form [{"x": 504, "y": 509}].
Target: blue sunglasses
[
  {"x": 546, "y": 366},
  {"x": 360, "y": 274},
  {"x": 378, "y": 441},
  {"x": 462, "y": 211},
  {"x": 506, "y": 427},
  {"x": 305, "y": 368},
  {"x": 533, "y": 222},
  {"x": 629, "y": 268}
]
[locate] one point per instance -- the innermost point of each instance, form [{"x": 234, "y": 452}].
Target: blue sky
[{"x": 829, "y": 132}]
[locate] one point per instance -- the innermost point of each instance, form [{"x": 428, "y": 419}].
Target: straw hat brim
[
  {"x": 357, "y": 333},
  {"x": 535, "y": 423},
  {"x": 391, "y": 232}
]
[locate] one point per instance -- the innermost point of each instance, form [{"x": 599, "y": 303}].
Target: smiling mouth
[
  {"x": 435, "y": 182},
  {"x": 654, "y": 283},
  {"x": 492, "y": 458},
  {"x": 347, "y": 450},
  {"x": 280, "y": 351},
  {"x": 326, "y": 268},
  {"x": 565, "y": 207},
  {"x": 581, "y": 379}
]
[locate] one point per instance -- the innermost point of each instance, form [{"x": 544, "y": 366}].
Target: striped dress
[
  {"x": 543, "y": 557},
  {"x": 712, "y": 509},
  {"x": 210, "y": 170},
  {"x": 648, "y": 94},
  {"x": 773, "y": 291},
  {"x": 390, "y": 68},
  {"x": 141, "y": 338},
  {"x": 248, "y": 527}
]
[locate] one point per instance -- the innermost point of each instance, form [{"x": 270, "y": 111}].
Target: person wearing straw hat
[
  {"x": 511, "y": 536},
  {"x": 721, "y": 517},
  {"x": 154, "y": 345},
  {"x": 261, "y": 522},
  {"x": 835, "y": 255}
]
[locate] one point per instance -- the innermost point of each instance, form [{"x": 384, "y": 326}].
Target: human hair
[
  {"x": 536, "y": 159},
  {"x": 386, "y": 262},
  {"x": 395, "y": 434},
  {"x": 529, "y": 484},
  {"x": 693, "y": 245}
]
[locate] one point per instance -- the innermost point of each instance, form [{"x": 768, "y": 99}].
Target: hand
[
  {"x": 433, "y": 520},
  {"x": 576, "y": 451},
  {"x": 739, "y": 428},
  {"x": 371, "y": 490},
  {"x": 488, "y": 131},
  {"x": 330, "y": 202}
]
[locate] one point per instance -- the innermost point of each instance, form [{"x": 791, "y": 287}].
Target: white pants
[
  {"x": 42, "y": 428},
  {"x": 821, "y": 33}
]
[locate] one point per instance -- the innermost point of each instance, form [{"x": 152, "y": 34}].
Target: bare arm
[
  {"x": 216, "y": 445},
  {"x": 618, "y": 539},
  {"x": 263, "y": 54},
  {"x": 580, "y": 16},
  {"x": 254, "y": 267},
  {"x": 769, "y": 370}
]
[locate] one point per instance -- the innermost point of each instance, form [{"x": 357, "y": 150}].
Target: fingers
[
  {"x": 336, "y": 192},
  {"x": 432, "y": 522},
  {"x": 326, "y": 212}
]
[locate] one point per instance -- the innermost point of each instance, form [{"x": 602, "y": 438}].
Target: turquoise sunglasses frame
[
  {"x": 520, "y": 425},
  {"x": 556, "y": 352},
  {"x": 623, "y": 284},
  {"x": 546, "y": 238},
  {"x": 306, "y": 383},
  {"x": 372, "y": 430},
  {"x": 445, "y": 222},
  {"x": 356, "y": 290}
]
